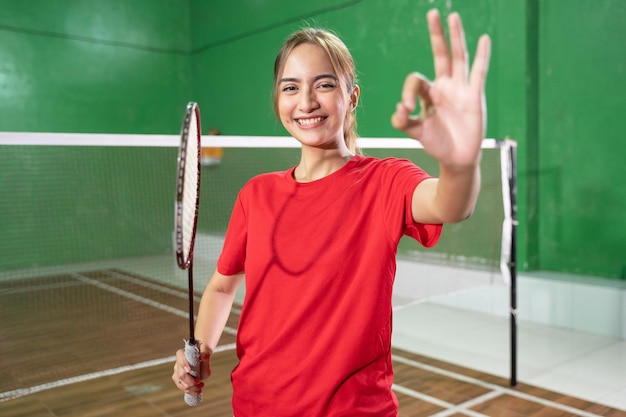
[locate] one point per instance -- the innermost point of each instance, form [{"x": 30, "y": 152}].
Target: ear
[{"x": 354, "y": 97}]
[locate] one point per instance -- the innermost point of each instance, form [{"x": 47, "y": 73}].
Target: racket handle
[{"x": 192, "y": 354}]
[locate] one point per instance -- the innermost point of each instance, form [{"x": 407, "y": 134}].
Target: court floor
[{"x": 100, "y": 342}]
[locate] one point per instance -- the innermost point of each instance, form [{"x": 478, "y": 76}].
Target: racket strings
[{"x": 188, "y": 187}]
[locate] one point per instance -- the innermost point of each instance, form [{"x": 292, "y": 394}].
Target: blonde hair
[{"x": 342, "y": 63}]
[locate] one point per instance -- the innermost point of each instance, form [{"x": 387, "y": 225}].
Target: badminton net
[{"x": 86, "y": 255}]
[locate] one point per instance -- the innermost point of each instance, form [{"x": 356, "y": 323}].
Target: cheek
[
  {"x": 284, "y": 105},
  {"x": 285, "y": 111},
  {"x": 343, "y": 109}
]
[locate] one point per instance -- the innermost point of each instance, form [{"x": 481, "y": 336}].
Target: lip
[{"x": 310, "y": 121}]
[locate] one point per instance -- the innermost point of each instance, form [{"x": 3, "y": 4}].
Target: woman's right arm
[
  {"x": 215, "y": 306},
  {"x": 214, "y": 309}
]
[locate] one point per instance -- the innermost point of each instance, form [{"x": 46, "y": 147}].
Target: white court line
[
  {"x": 41, "y": 287},
  {"x": 502, "y": 390},
  {"x": 167, "y": 290},
  {"x": 432, "y": 400},
  {"x": 464, "y": 408},
  {"x": 12, "y": 395},
  {"x": 138, "y": 298},
  {"x": 420, "y": 396},
  {"x": 130, "y": 295},
  {"x": 153, "y": 286},
  {"x": 450, "y": 408}
]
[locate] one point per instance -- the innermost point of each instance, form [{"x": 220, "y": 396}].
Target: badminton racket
[{"x": 187, "y": 204}]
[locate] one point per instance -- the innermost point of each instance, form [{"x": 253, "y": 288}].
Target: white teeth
[{"x": 305, "y": 122}]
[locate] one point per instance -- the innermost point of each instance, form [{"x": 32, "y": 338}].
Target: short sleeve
[
  {"x": 233, "y": 257},
  {"x": 401, "y": 177},
  {"x": 426, "y": 234}
]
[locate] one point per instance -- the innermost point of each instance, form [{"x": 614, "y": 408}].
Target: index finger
[{"x": 416, "y": 86}]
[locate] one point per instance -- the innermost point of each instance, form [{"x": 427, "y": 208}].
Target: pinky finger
[{"x": 480, "y": 66}]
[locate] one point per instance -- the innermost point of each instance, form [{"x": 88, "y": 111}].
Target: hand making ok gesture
[{"x": 452, "y": 122}]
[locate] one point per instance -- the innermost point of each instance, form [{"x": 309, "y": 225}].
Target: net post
[
  {"x": 508, "y": 259},
  {"x": 513, "y": 260}
]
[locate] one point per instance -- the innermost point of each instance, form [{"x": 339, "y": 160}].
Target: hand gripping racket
[{"x": 187, "y": 203}]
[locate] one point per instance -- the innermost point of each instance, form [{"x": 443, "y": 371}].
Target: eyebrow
[{"x": 316, "y": 78}]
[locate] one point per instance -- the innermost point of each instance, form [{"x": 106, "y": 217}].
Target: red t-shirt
[{"x": 314, "y": 336}]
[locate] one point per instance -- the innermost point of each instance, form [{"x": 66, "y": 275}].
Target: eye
[
  {"x": 326, "y": 85},
  {"x": 288, "y": 89}
]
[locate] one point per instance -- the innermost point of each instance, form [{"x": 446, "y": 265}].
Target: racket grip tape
[{"x": 192, "y": 354}]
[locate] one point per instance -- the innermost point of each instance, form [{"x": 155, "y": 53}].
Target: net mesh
[{"x": 87, "y": 263}]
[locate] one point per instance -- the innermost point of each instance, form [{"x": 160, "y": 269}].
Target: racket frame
[{"x": 185, "y": 260}]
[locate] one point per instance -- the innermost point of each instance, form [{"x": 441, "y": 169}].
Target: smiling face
[{"x": 312, "y": 100}]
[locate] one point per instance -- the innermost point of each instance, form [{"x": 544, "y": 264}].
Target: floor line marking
[
  {"x": 450, "y": 408},
  {"x": 415, "y": 394},
  {"x": 464, "y": 407},
  {"x": 21, "y": 392},
  {"x": 140, "y": 299},
  {"x": 130, "y": 295},
  {"x": 152, "y": 285},
  {"x": 491, "y": 386},
  {"x": 42, "y": 287}
]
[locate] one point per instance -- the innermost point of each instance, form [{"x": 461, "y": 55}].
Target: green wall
[
  {"x": 553, "y": 66},
  {"x": 89, "y": 66},
  {"x": 555, "y": 85},
  {"x": 582, "y": 84},
  {"x": 234, "y": 54},
  {"x": 93, "y": 66}
]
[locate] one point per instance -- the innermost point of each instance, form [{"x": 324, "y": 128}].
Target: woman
[{"x": 317, "y": 243}]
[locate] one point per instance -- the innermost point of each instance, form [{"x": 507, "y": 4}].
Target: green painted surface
[
  {"x": 581, "y": 153},
  {"x": 97, "y": 66},
  {"x": 556, "y": 85}
]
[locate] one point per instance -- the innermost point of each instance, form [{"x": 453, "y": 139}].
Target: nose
[{"x": 308, "y": 100}]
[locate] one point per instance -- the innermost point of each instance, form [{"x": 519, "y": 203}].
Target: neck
[{"x": 316, "y": 164}]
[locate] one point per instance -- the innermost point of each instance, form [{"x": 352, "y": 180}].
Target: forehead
[{"x": 307, "y": 59}]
